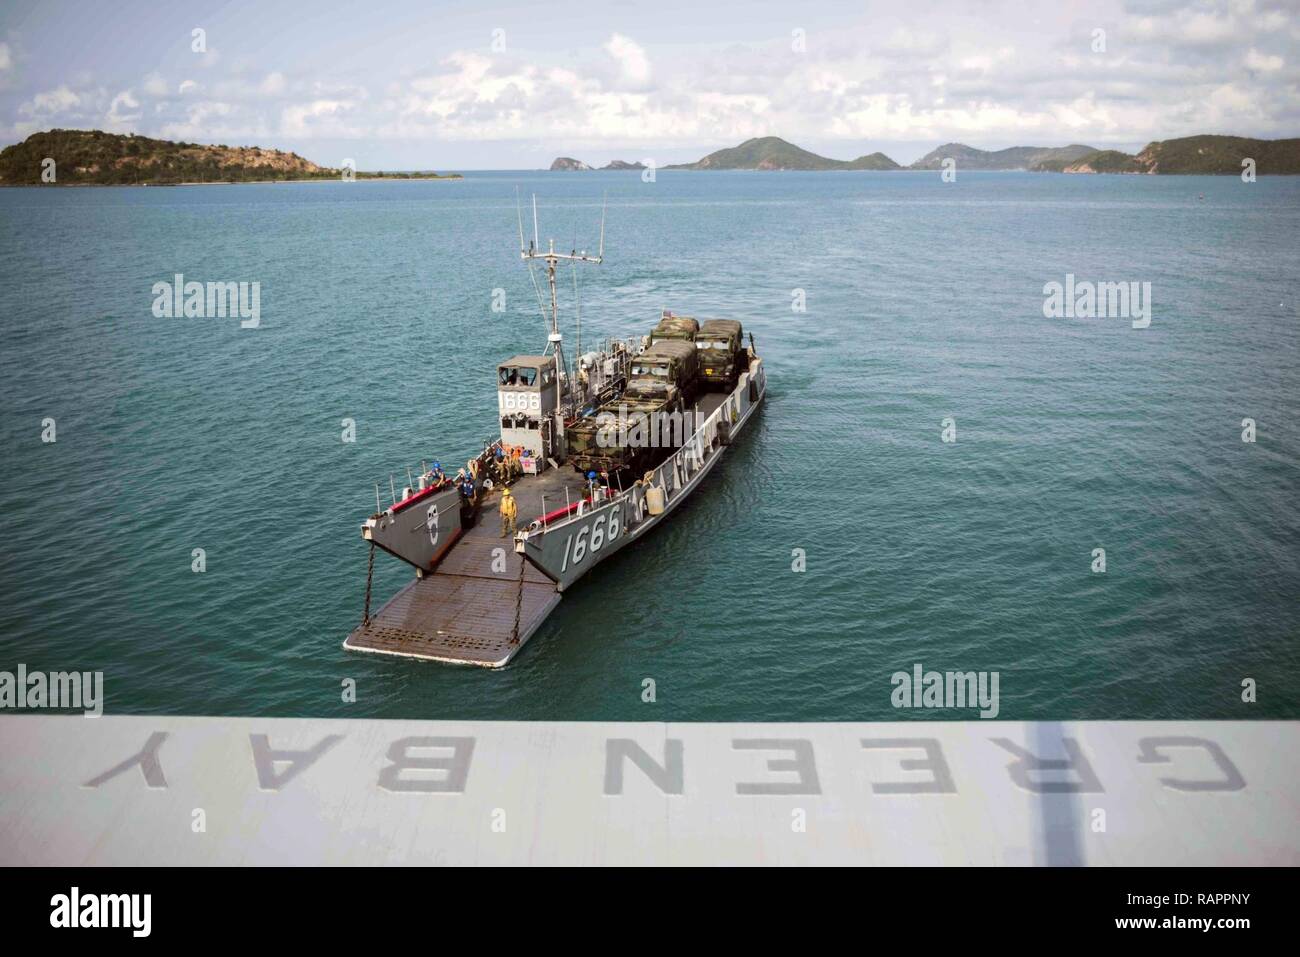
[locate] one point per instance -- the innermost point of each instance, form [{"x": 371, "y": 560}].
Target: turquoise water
[{"x": 924, "y": 301}]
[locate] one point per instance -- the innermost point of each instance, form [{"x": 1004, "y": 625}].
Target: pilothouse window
[
  {"x": 509, "y": 375},
  {"x": 527, "y": 376}
]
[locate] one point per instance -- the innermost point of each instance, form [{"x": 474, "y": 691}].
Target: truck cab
[
  {"x": 722, "y": 355},
  {"x": 668, "y": 368}
]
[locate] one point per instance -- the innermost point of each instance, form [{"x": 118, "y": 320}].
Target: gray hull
[{"x": 568, "y": 549}]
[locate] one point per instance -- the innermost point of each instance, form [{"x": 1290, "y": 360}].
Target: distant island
[
  {"x": 774, "y": 153},
  {"x": 1192, "y": 154},
  {"x": 1014, "y": 158},
  {"x": 570, "y": 165},
  {"x": 96, "y": 158}
]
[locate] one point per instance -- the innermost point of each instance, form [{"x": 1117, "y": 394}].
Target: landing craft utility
[{"x": 582, "y": 488}]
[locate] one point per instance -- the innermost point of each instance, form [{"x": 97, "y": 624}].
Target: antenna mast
[{"x": 555, "y": 340}]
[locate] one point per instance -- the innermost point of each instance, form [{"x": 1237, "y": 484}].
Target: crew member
[
  {"x": 467, "y": 491},
  {"x": 509, "y": 512}
]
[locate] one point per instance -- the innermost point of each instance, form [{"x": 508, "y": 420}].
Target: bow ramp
[{"x": 482, "y": 601}]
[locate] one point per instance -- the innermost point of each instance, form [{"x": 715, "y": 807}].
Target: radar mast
[{"x": 555, "y": 339}]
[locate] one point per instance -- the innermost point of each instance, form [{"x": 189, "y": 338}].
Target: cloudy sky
[{"x": 505, "y": 85}]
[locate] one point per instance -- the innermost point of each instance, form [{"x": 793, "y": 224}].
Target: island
[
  {"x": 568, "y": 164},
  {"x": 1217, "y": 155},
  {"x": 96, "y": 158},
  {"x": 774, "y": 153},
  {"x": 1206, "y": 154},
  {"x": 1012, "y": 158}
]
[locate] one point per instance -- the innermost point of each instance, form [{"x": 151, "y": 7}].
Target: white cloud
[
  {"x": 274, "y": 84},
  {"x": 631, "y": 58},
  {"x": 212, "y": 121},
  {"x": 1261, "y": 62},
  {"x": 6, "y": 58},
  {"x": 323, "y": 117},
  {"x": 123, "y": 113},
  {"x": 185, "y": 87},
  {"x": 154, "y": 85},
  {"x": 50, "y": 103}
]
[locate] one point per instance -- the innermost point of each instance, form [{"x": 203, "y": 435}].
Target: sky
[{"x": 502, "y": 85}]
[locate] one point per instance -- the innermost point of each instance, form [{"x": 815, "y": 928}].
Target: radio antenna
[
  {"x": 552, "y": 259},
  {"x": 520, "y": 210},
  {"x": 603, "y": 203}
]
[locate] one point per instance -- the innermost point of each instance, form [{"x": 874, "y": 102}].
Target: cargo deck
[{"x": 464, "y": 612}]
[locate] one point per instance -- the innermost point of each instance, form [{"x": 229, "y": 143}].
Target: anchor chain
[
  {"x": 519, "y": 601},
  {"x": 370, "y": 574}
]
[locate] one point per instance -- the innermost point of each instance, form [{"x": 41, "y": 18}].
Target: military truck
[
  {"x": 666, "y": 362},
  {"x": 637, "y": 430},
  {"x": 720, "y": 344},
  {"x": 672, "y": 327}
]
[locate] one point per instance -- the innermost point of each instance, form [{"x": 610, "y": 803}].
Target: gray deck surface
[
  {"x": 465, "y": 612},
  {"x": 1176, "y": 793}
]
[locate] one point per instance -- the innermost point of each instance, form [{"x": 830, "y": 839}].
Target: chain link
[{"x": 370, "y": 574}]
